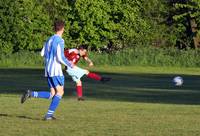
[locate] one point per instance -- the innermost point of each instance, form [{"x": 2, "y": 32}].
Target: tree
[
  {"x": 24, "y": 25},
  {"x": 117, "y": 24},
  {"x": 102, "y": 23},
  {"x": 188, "y": 16},
  {"x": 6, "y": 18},
  {"x": 156, "y": 13}
]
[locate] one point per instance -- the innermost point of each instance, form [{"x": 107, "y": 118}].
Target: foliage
[
  {"x": 156, "y": 12},
  {"x": 17, "y": 59},
  {"x": 137, "y": 56},
  {"x": 117, "y": 24},
  {"x": 98, "y": 23},
  {"x": 24, "y": 24},
  {"x": 184, "y": 12},
  {"x": 149, "y": 56},
  {"x": 192, "y": 8}
]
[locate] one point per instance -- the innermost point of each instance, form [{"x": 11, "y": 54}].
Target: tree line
[{"x": 100, "y": 24}]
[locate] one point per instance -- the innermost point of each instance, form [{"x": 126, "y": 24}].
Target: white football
[{"x": 178, "y": 81}]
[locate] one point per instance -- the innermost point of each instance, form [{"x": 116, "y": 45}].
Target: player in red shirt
[{"x": 76, "y": 72}]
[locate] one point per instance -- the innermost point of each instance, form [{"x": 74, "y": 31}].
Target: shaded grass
[
  {"x": 131, "y": 104},
  {"x": 136, "y": 87}
]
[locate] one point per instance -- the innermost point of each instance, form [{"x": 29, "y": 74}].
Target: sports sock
[
  {"x": 54, "y": 104},
  {"x": 79, "y": 91},
  {"x": 94, "y": 76},
  {"x": 46, "y": 95}
]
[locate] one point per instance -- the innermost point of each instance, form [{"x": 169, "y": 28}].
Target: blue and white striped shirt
[{"x": 53, "y": 53}]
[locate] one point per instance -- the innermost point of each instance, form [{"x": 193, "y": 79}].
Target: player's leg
[
  {"x": 59, "y": 91},
  {"x": 42, "y": 94},
  {"x": 79, "y": 90},
  {"x": 97, "y": 77},
  {"x": 35, "y": 94},
  {"x": 45, "y": 94},
  {"x": 25, "y": 96},
  {"x": 54, "y": 103},
  {"x": 39, "y": 94},
  {"x": 76, "y": 73},
  {"x": 53, "y": 92}
]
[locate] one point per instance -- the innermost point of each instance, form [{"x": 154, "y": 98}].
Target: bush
[
  {"x": 24, "y": 25},
  {"x": 148, "y": 56},
  {"x": 25, "y": 59},
  {"x": 136, "y": 56}
]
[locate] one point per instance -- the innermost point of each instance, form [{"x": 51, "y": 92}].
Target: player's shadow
[
  {"x": 148, "y": 88},
  {"x": 18, "y": 116}
]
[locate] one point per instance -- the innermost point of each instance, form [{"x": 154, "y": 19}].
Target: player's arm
[
  {"x": 61, "y": 57},
  {"x": 89, "y": 61},
  {"x": 45, "y": 46},
  {"x": 42, "y": 51}
]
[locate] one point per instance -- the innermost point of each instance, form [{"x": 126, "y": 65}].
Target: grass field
[{"x": 140, "y": 102}]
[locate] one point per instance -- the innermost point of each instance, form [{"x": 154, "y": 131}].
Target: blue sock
[
  {"x": 54, "y": 104},
  {"x": 46, "y": 95}
]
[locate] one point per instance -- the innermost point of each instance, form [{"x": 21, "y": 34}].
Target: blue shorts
[
  {"x": 55, "y": 81},
  {"x": 76, "y": 73}
]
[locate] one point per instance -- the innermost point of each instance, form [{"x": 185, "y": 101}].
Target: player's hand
[{"x": 91, "y": 64}]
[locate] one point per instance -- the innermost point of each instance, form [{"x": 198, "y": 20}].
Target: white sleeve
[
  {"x": 61, "y": 57},
  {"x": 42, "y": 51}
]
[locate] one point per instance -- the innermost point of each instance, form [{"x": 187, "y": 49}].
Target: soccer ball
[{"x": 178, "y": 81}]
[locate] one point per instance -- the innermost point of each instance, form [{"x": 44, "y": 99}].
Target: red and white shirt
[{"x": 73, "y": 55}]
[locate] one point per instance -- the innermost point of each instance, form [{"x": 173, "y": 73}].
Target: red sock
[
  {"x": 79, "y": 91},
  {"x": 94, "y": 76}
]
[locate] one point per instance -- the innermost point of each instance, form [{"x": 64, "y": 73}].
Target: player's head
[
  {"x": 82, "y": 50},
  {"x": 59, "y": 26}
]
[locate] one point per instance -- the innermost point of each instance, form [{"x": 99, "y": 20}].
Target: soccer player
[
  {"x": 76, "y": 72},
  {"x": 53, "y": 53}
]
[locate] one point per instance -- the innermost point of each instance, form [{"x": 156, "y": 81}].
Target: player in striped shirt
[
  {"x": 76, "y": 72},
  {"x": 53, "y": 53}
]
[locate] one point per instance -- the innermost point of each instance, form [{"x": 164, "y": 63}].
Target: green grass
[
  {"x": 147, "y": 70},
  {"x": 134, "y": 103},
  {"x": 135, "y": 56}
]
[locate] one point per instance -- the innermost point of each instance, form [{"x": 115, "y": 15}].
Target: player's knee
[
  {"x": 52, "y": 92},
  {"x": 87, "y": 72},
  {"x": 60, "y": 93},
  {"x": 51, "y": 95},
  {"x": 79, "y": 83},
  {"x": 60, "y": 90}
]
